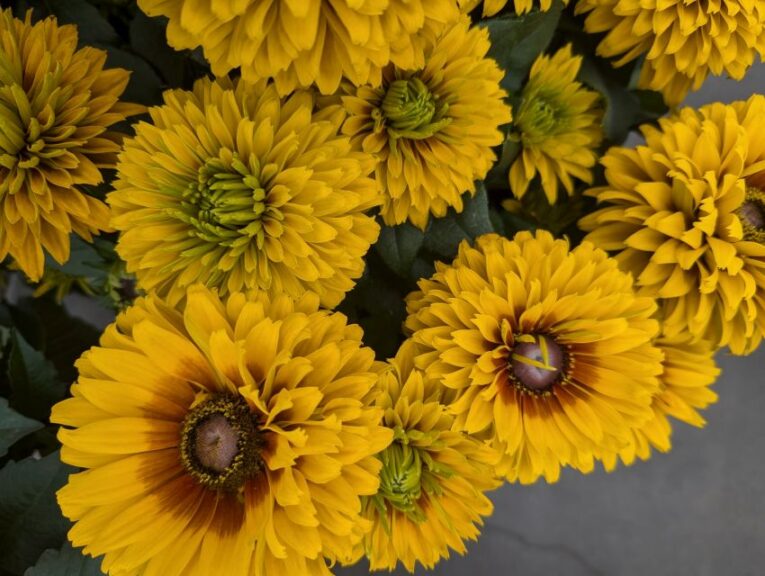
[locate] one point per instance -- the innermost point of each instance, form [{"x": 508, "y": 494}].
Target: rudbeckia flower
[
  {"x": 688, "y": 371},
  {"x": 232, "y": 437},
  {"x": 543, "y": 350},
  {"x": 685, "y": 214},
  {"x": 432, "y": 128},
  {"x": 432, "y": 483},
  {"x": 57, "y": 104},
  {"x": 682, "y": 41},
  {"x": 558, "y": 126},
  {"x": 301, "y": 42},
  {"x": 236, "y": 188}
]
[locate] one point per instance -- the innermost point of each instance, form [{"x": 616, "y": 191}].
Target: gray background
[{"x": 698, "y": 510}]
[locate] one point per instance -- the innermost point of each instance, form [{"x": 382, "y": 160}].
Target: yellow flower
[
  {"x": 686, "y": 213},
  {"x": 301, "y": 42},
  {"x": 433, "y": 478},
  {"x": 544, "y": 350},
  {"x": 689, "y": 370},
  {"x": 236, "y": 188},
  {"x": 233, "y": 437},
  {"x": 558, "y": 126},
  {"x": 682, "y": 41},
  {"x": 492, "y": 7},
  {"x": 56, "y": 106},
  {"x": 432, "y": 128}
]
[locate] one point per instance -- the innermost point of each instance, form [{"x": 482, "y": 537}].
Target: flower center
[
  {"x": 537, "y": 363},
  {"x": 227, "y": 201},
  {"x": 221, "y": 444},
  {"x": 411, "y": 111},
  {"x": 401, "y": 477},
  {"x": 752, "y": 215},
  {"x": 539, "y": 118}
]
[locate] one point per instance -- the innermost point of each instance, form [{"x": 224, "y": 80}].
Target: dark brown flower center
[
  {"x": 537, "y": 362},
  {"x": 221, "y": 443},
  {"x": 752, "y": 215}
]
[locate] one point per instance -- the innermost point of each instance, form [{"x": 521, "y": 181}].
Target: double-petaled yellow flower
[
  {"x": 57, "y": 104},
  {"x": 433, "y": 478},
  {"x": 301, "y": 42},
  {"x": 432, "y": 128},
  {"x": 232, "y": 437},
  {"x": 492, "y": 7},
  {"x": 682, "y": 41},
  {"x": 686, "y": 215},
  {"x": 543, "y": 350},
  {"x": 558, "y": 126},
  {"x": 237, "y": 188}
]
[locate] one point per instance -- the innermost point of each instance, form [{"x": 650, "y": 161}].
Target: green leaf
[
  {"x": 65, "y": 562},
  {"x": 92, "y": 27},
  {"x": 516, "y": 41},
  {"x": 444, "y": 235},
  {"x": 398, "y": 247},
  {"x": 13, "y": 426},
  {"x": 145, "y": 86},
  {"x": 30, "y": 520},
  {"x": 497, "y": 178},
  {"x": 33, "y": 379}
]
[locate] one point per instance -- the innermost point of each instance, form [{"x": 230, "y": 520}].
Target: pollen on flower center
[
  {"x": 537, "y": 363},
  {"x": 411, "y": 110},
  {"x": 221, "y": 443},
  {"x": 752, "y": 215},
  {"x": 227, "y": 200}
]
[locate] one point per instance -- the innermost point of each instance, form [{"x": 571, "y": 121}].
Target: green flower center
[
  {"x": 410, "y": 110},
  {"x": 227, "y": 202},
  {"x": 752, "y": 215},
  {"x": 537, "y": 363},
  {"x": 221, "y": 443},
  {"x": 540, "y": 117}
]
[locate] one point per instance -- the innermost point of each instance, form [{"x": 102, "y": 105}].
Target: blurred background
[{"x": 697, "y": 511}]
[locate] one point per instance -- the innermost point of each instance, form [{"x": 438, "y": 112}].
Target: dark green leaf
[
  {"x": 398, "y": 247},
  {"x": 65, "y": 562},
  {"x": 33, "y": 379},
  {"x": 147, "y": 39},
  {"x": 13, "y": 426},
  {"x": 92, "y": 27},
  {"x": 444, "y": 235},
  {"x": 145, "y": 87},
  {"x": 516, "y": 41},
  {"x": 30, "y": 520},
  {"x": 497, "y": 178}
]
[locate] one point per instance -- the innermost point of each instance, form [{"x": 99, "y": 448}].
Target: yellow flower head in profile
[
  {"x": 492, "y": 7},
  {"x": 558, "y": 126},
  {"x": 683, "y": 41},
  {"x": 232, "y": 437},
  {"x": 57, "y": 104},
  {"x": 238, "y": 189},
  {"x": 433, "y": 478},
  {"x": 432, "y": 128},
  {"x": 301, "y": 42},
  {"x": 686, "y": 214},
  {"x": 688, "y": 371},
  {"x": 544, "y": 350}
]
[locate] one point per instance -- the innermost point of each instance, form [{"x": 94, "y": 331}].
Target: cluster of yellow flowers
[{"x": 230, "y": 422}]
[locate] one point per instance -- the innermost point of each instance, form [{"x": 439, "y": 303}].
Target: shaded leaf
[
  {"x": 444, "y": 235},
  {"x": 13, "y": 426},
  {"x": 398, "y": 247},
  {"x": 30, "y": 520},
  {"x": 516, "y": 41},
  {"x": 145, "y": 86},
  {"x": 65, "y": 562},
  {"x": 33, "y": 380},
  {"x": 92, "y": 27}
]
